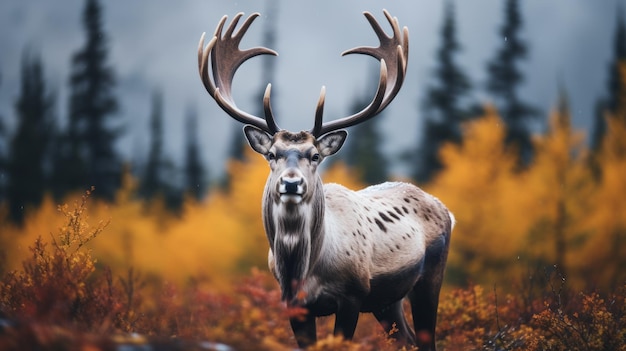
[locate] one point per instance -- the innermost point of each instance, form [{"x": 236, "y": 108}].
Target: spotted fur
[
  {"x": 333, "y": 250},
  {"x": 338, "y": 251}
]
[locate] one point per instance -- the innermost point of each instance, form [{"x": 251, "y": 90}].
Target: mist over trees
[
  {"x": 504, "y": 79},
  {"x": 86, "y": 153},
  {"x": 29, "y": 147},
  {"x": 179, "y": 251},
  {"x": 609, "y": 102},
  {"x": 363, "y": 150},
  {"x": 2, "y": 153},
  {"x": 153, "y": 182},
  {"x": 446, "y": 104},
  {"x": 195, "y": 172}
]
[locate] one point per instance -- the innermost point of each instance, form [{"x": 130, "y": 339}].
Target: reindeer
[{"x": 333, "y": 250}]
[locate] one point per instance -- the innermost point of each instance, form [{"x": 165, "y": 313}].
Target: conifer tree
[
  {"x": 504, "y": 79},
  {"x": 195, "y": 183},
  {"x": 2, "y": 156},
  {"x": 30, "y": 143},
  {"x": 160, "y": 176},
  {"x": 614, "y": 83},
  {"x": 444, "y": 108},
  {"x": 605, "y": 254},
  {"x": 153, "y": 181},
  {"x": 89, "y": 156},
  {"x": 363, "y": 151}
]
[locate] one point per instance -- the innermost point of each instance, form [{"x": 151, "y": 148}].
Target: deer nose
[{"x": 291, "y": 185}]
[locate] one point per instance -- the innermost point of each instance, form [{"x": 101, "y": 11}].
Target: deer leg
[
  {"x": 304, "y": 330},
  {"x": 393, "y": 316},
  {"x": 346, "y": 318},
  {"x": 424, "y": 303},
  {"x": 424, "y": 296}
]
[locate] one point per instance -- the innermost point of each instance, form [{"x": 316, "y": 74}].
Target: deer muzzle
[{"x": 291, "y": 189}]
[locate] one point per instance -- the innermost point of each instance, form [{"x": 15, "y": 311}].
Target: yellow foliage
[
  {"x": 216, "y": 240},
  {"x": 553, "y": 212},
  {"x": 205, "y": 242},
  {"x": 560, "y": 182},
  {"x": 247, "y": 182},
  {"x": 340, "y": 173},
  {"x": 604, "y": 255},
  {"x": 488, "y": 198}
]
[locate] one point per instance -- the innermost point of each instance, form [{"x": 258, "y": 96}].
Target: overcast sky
[{"x": 153, "y": 45}]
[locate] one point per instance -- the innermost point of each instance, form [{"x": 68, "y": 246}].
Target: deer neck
[{"x": 296, "y": 233}]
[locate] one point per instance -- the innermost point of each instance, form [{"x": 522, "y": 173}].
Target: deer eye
[
  {"x": 315, "y": 157},
  {"x": 271, "y": 156}
]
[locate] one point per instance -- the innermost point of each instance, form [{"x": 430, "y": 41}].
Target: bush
[{"x": 63, "y": 299}]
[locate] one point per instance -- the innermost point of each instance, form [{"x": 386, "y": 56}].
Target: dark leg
[
  {"x": 346, "y": 318},
  {"x": 424, "y": 303},
  {"x": 425, "y": 294},
  {"x": 304, "y": 330},
  {"x": 394, "y": 314}
]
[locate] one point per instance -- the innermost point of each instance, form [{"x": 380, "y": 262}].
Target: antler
[
  {"x": 393, "y": 55},
  {"x": 225, "y": 59}
]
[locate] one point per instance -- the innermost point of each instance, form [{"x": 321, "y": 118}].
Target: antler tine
[
  {"x": 393, "y": 56},
  {"x": 366, "y": 113},
  {"x": 225, "y": 57},
  {"x": 319, "y": 113}
]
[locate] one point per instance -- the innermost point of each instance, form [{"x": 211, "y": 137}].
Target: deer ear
[
  {"x": 330, "y": 143},
  {"x": 259, "y": 140}
]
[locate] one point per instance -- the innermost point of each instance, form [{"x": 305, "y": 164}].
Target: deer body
[
  {"x": 334, "y": 250},
  {"x": 363, "y": 250}
]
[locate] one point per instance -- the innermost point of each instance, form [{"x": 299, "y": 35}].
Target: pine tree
[
  {"x": 90, "y": 151},
  {"x": 195, "y": 183},
  {"x": 2, "y": 157},
  {"x": 610, "y": 103},
  {"x": 444, "y": 108},
  {"x": 363, "y": 150},
  {"x": 504, "y": 79},
  {"x": 30, "y": 143},
  {"x": 159, "y": 181},
  {"x": 153, "y": 180}
]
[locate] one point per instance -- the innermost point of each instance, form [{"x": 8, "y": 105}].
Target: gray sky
[{"x": 153, "y": 45}]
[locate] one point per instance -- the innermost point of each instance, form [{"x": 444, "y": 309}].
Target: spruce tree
[
  {"x": 92, "y": 158},
  {"x": 363, "y": 150},
  {"x": 30, "y": 142},
  {"x": 2, "y": 157},
  {"x": 614, "y": 83},
  {"x": 153, "y": 180},
  {"x": 195, "y": 183},
  {"x": 504, "y": 79},
  {"x": 446, "y": 105},
  {"x": 159, "y": 175}
]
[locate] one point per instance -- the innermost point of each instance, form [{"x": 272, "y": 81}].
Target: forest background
[{"x": 534, "y": 195}]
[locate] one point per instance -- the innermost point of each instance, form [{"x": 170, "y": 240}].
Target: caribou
[{"x": 334, "y": 250}]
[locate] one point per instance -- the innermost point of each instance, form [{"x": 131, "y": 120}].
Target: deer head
[{"x": 288, "y": 151}]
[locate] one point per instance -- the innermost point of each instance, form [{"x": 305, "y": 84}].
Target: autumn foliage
[
  {"x": 61, "y": 299},
  {"x": 535, "y": 264}
]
